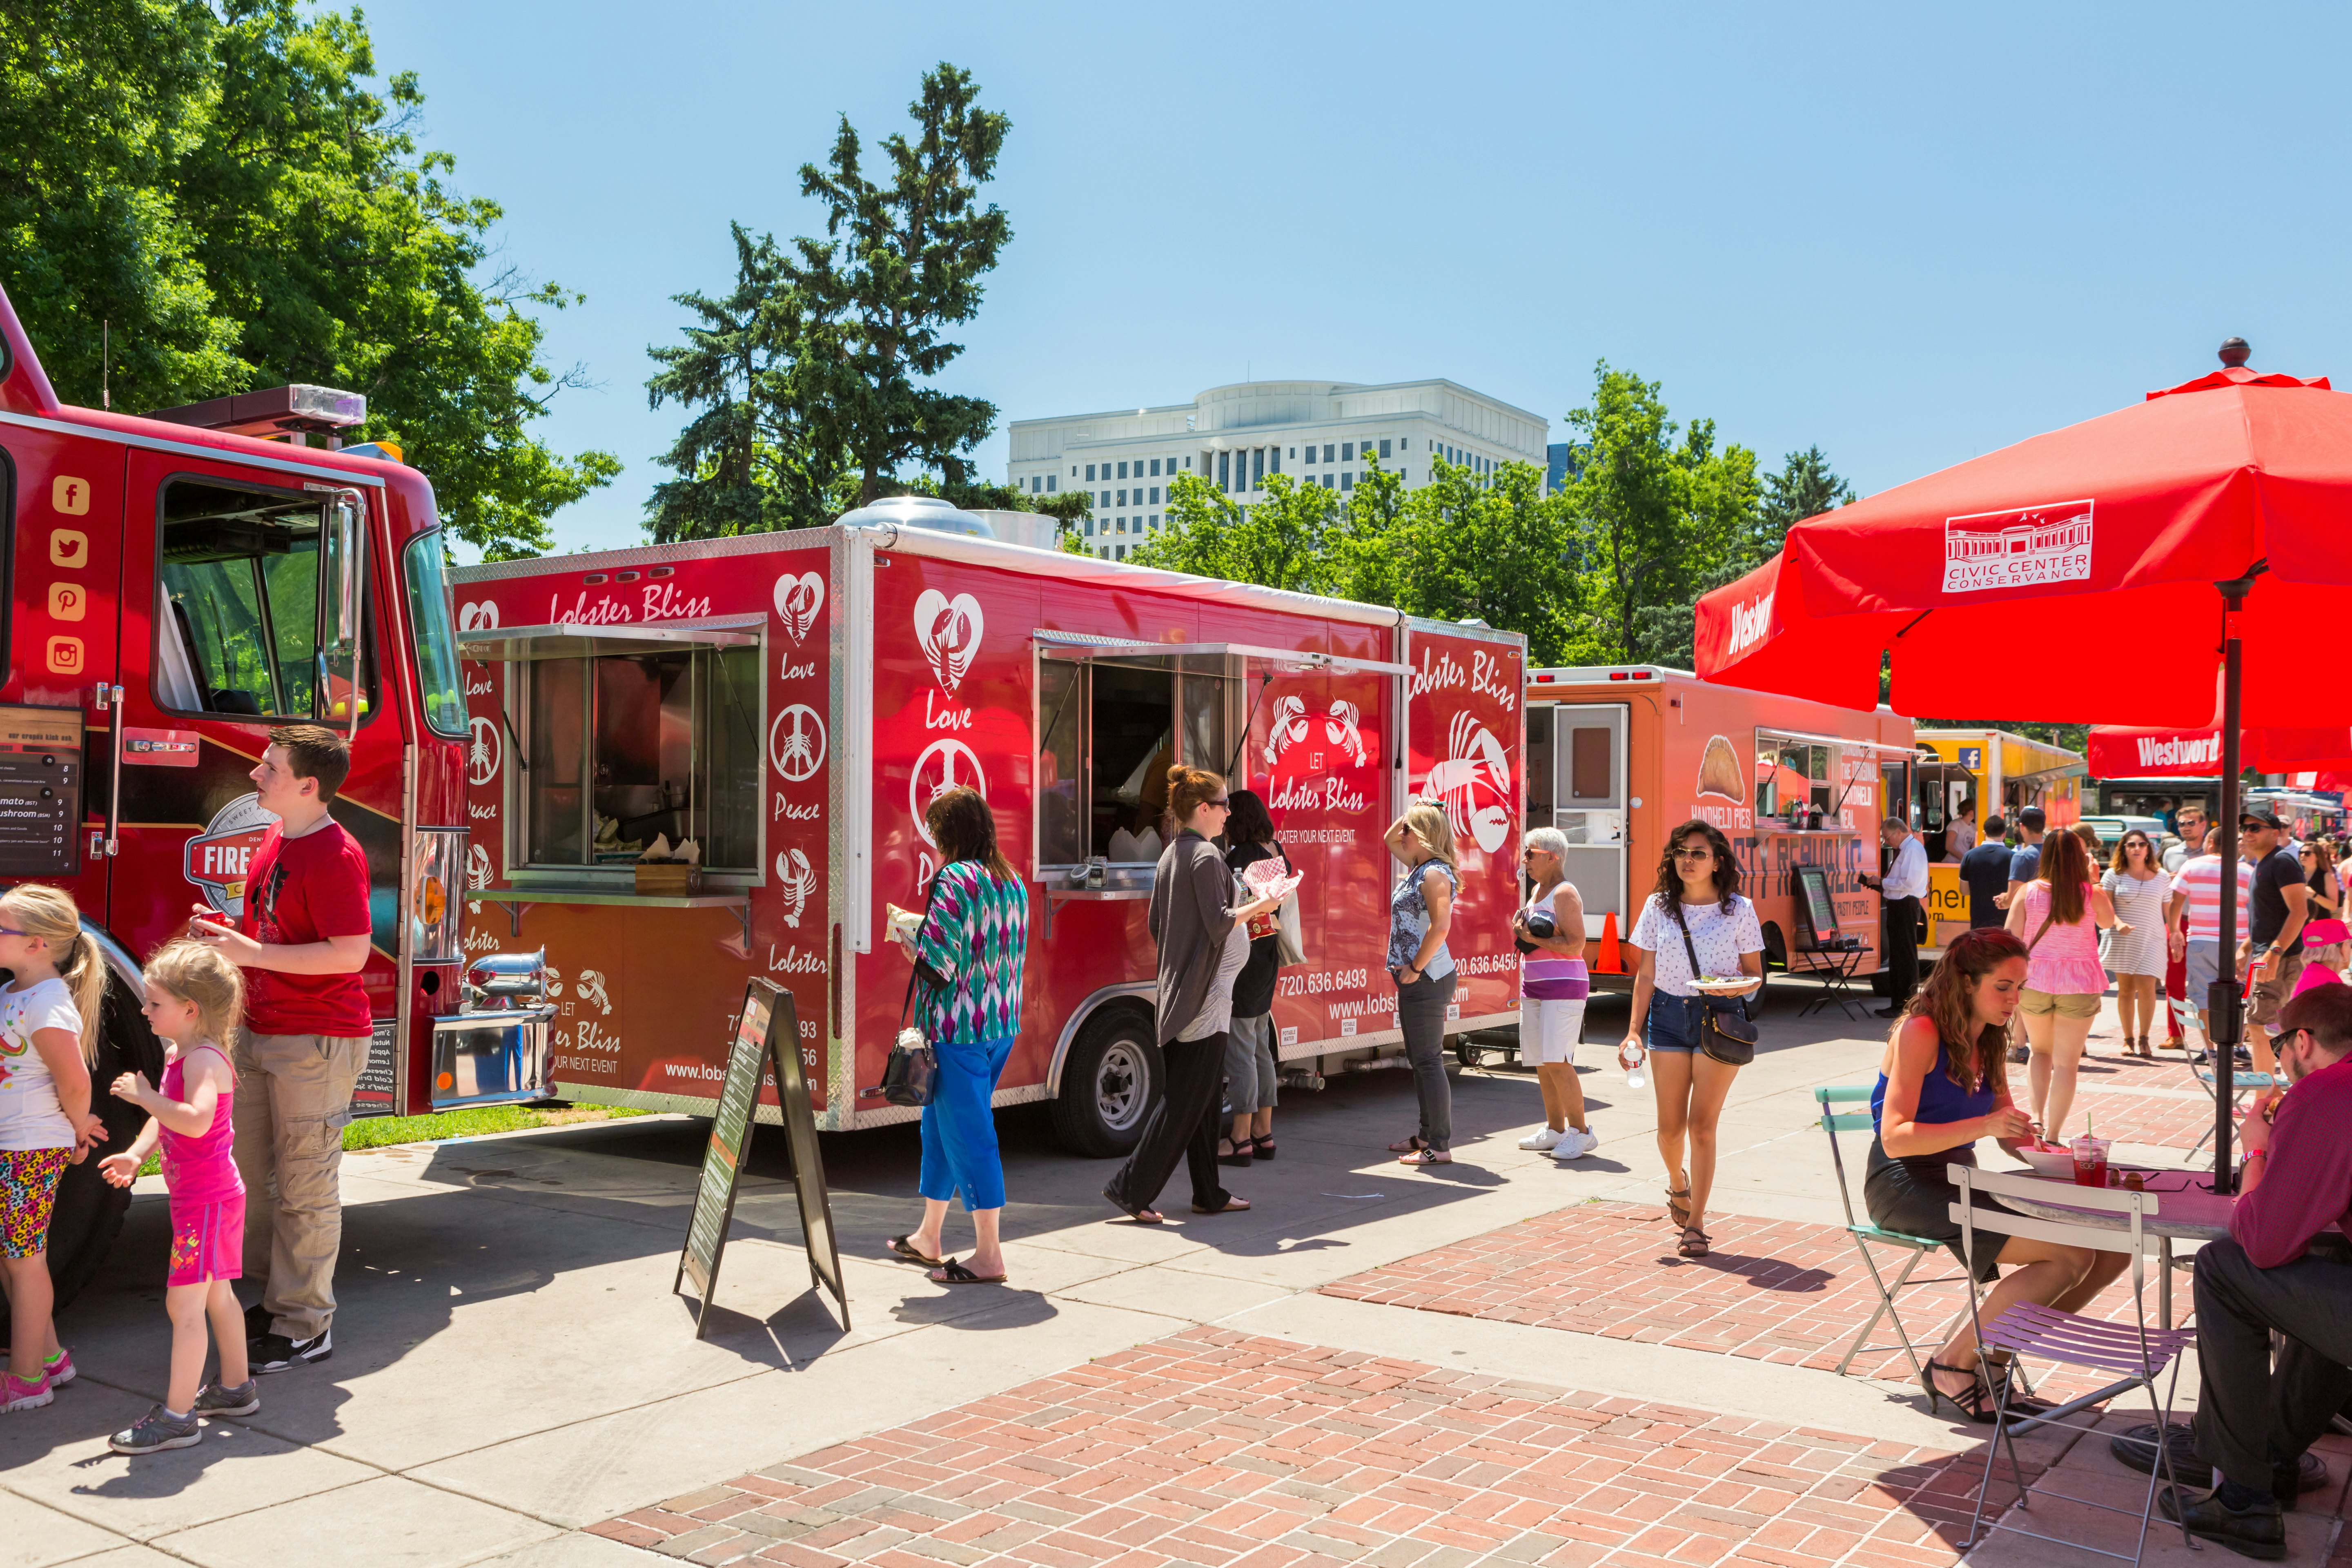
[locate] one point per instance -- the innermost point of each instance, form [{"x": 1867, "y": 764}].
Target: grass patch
[{"x": 380, "y": 1132}]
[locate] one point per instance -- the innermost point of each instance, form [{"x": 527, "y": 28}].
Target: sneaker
[
  {"x": 61, "y": 1370},
  {"x": 159, "y": 1430},
  {"x": 242, "y": 1400},
  {"x": 1541, "y": 1139},
  {"x": 2020, "y": 1055},
  {"x": 1576, "y": 1145},
  {"x": 16, "y": 1394},
  {"x": 276, "y": 1352}
]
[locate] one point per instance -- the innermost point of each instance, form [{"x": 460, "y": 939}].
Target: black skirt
[{"x": 1914, "y": 1196}]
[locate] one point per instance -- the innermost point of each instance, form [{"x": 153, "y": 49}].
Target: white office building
[{"x": 1325, "y": 432}]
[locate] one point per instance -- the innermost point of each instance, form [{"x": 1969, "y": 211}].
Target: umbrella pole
[{"x": 2224, "y": 1007}]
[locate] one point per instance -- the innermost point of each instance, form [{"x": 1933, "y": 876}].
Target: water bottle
[{"x": 1634, "y": 1077}]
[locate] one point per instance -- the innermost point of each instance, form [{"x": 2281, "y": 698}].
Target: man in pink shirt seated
[{"x": 2288, "y": 1267}]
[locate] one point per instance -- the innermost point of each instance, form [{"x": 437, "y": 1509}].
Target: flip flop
[
  {"x": 1426, "y": 1156},
  {"x": 955, "y": 1273},
  {"x": 1135, "y": 1215},
  {"x": 1231, "y": 1205},
  {"x": 903, "y": 1247},
  {"x": 1411, "y": 1145}
]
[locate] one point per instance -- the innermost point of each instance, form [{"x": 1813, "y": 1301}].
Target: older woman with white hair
[{"x": 1549, "y": 932}]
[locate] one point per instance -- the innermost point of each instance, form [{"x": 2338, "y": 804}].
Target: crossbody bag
[
  {"x": 1726, "y": 1037},
  {"x": 911, "y": 1073}
]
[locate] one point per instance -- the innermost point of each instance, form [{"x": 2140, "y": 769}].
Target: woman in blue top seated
[{"x": 1942, "y": 1085}]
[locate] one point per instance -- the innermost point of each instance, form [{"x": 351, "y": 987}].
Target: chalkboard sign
[
  {"x": 40, "y": 791},
  {"x": 1820, "y": 908},
  {"x": 764, "y": 1046}
]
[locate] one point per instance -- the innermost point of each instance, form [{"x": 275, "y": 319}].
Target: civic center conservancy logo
[{"x": 2018, "y": 548}]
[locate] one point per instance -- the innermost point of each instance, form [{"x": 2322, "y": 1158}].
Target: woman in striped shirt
[{"x": 1550, "y": 933}]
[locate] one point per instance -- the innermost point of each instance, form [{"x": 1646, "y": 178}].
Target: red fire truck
[
  {"x": 787, "y": 703},
  {"x": 177, "y": 585}
]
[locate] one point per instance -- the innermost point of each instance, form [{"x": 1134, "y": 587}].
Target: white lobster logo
[
  {"x": 796, "y": 742},
  {"x": 1342, "y": 726},
  {"x": 592, "y": 989},
  {"x": 485, "y": 753},
  {"x": 479, "y": 872},
  {"x": 949, "y": 632},
  {"x": 797, "y": 881},
  {"x": 943, "y": 765},
  {"x": 1289, "y": 728},
  {"x": 1473, "y": 784},
  {"x": 480, "y": 616},
  {"x": 798, "y": 599}
]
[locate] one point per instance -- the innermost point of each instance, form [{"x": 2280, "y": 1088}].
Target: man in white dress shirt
[{"x": 1905, "y": 884}]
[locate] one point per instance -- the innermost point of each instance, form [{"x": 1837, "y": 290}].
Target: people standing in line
[
  {"x": 1961, "y": 832},
  {"x": 1696, "y": 909},
  {"x": 967, "y": 955},
  {"x": 2190, "y": 829},
  {"x": 1252, "y": 1068},
  {"x": 2319, "y": 874},
  {"x": 2137, "y": 949},
  {"x": 2277, "y": 904},
  {"x": 1548, "y": 929},
  {"x": 194, "y": 999},
  {"x": 2194, "y": 917},
  {"x": 2025, "y": 860},
  {"x": 1943, "y": 1084},
  {"x": 2060, "y": 916},
  {"x": 49, "y": 1041},
  {"x": 1202, "y": 925},
  {"x": 1984, "y": 871},
  {"x": 1900, "y": 892},
  {"x": 302, "y": 939},
  {"x": 1421, "y": 913},
  {"x": 2091, "y": 845}
]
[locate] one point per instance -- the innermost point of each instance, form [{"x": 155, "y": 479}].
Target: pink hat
[
  {"x": 2314, "y": 976},
  {"x": 2321, "y": 933}
]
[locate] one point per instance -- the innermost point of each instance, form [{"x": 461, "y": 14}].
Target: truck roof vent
[
  {"x": 919, "y": 511},
  {"x": 279, "y": 412}
]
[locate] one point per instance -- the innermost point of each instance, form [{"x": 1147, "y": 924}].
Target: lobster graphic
[
  {"x": 1289, "y": 728},
  {"x": 797, "y": 882},
  {"x": 479, "y": 869},
  {"x": 591, "y": 987},
  {"x": 1473, "y": 784},
  {"x": 1344, "y": 727}
]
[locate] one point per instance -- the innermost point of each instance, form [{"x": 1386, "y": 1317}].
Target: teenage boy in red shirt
[{"x": 302, "y": 941}]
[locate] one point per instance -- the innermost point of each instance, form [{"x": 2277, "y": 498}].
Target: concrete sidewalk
[{"x": 511, "y": 1367}]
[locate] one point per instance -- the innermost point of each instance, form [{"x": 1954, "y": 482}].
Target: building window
[
  {"x": 1346, "y": 451},
  {"x": 1155, "y": 467},
  {"x": 1122, "y": 470},
  {"x": 1188, "y": 459},
  {"x": 1122, "y": 553},
  {"x": 1122, "y": 498},
  {"x": 1090, "y": 472},
  {"x": 1348, "y": 481},
  {"x": 1090, "y": 528},
  {"x": 1327, "y": 450},
  {"x": 1225, "y": 471},
  {"x": 1155, "y": 495},
  {"x": 1257, "y": 469},
  {"x": 1327, "y": 481},
  {"x": 1155, "y": 520},
  {"x": 1385, "y": 447},
  {"x": 1049, "y": 482}
]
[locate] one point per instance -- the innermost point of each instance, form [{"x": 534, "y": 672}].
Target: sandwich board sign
[{"x": 766, "y": 1032}]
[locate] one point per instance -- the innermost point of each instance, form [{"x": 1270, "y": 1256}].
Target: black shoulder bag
[
  {"x": 912, "y": 1071},
  {"x": 1724, "y": 1036}
]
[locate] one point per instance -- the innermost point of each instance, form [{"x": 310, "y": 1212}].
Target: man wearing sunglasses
[{"x": 2287, "y": 1266}]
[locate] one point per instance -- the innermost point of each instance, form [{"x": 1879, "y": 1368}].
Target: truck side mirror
[{"x": 342, "y": 581}]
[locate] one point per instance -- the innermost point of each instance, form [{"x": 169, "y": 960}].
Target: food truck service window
[
  {"x": 1790, "y": 772},
  {"x": 1111, "y": 722},
  {"x": 629, "y": 737}
]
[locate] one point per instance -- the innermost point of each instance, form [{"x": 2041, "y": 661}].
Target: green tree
[
  {"x": 1803, "y": 487},
  {"x": 1280, "y": 541},
  {"x": 1489, "y": 547},
  {"x": 900, "y": 263},
  {"x": 200, "y": 199}
]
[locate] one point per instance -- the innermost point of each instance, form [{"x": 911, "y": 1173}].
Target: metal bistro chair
[
  {"x": 1863, "y": 1232},
  {"x": 2140, "y": 1354},
  {"x": 2242, "y": 1083}
]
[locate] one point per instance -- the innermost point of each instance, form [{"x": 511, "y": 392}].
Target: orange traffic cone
[{"x": 1610, "y": 962}]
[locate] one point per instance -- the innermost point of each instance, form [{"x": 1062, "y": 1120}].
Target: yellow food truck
[{"x": 1981, "y": 773}]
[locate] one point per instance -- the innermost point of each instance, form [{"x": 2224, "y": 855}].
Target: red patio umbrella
[
  {"x": 2110, "y": 572},
  {"x": 2140, "y": 752}
]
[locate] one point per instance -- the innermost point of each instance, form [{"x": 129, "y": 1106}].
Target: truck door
[
  {"x": 230, "y": 624},
  {"x": 1587, "y": 791},
  {"x": 65, "y": 492}
]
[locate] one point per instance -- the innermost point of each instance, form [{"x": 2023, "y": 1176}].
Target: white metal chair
[
  {"x": 2244, "y": 1081},
  {"x": 2141, "y": 1354},
  {"x": 1864, "y": 1233}
]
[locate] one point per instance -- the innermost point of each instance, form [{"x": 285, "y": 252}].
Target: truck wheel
[
  {"x": 1110, "y": 1084},
  {"x": 88, "y": 1213}
]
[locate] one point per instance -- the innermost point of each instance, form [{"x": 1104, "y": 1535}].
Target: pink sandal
[{"x": 1426, "y": 1155}]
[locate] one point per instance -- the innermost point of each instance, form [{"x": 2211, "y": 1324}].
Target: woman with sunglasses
[
  {"x": 2136, "y": 881},
  {"x": 1421, "y": 913},
  {"x": 2319, "y": 876},
  {"x": 1203, "y": 937},
  {"x": 1695, "y": 910}
]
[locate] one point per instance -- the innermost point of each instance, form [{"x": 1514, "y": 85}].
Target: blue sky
[{"x": 1907, "y": 235}]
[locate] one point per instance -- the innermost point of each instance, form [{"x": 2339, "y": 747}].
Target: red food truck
[
  {"x": 1619, "y": 754},
  {"x": 177, "y": 585},
  {"x": 786, "y": 704}
]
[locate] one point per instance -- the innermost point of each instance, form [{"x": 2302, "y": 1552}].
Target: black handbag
[
  {"x": 911, "y": 1073},
  {"x": 1724, "y": 1036}
]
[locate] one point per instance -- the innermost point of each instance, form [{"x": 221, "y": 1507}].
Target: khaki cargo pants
[{"x": 293, "y": 1099}]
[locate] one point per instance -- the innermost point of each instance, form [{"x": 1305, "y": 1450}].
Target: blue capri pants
[{"x": 960, "y": 1126}]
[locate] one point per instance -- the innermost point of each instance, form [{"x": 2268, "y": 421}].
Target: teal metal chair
[{"x": 1867, "y": 1234}]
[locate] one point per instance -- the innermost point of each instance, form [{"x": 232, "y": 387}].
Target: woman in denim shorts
[{"x": 1698, "y": 892}]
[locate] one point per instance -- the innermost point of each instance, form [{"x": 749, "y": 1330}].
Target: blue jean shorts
[{"x": 1673, "y": 1022}]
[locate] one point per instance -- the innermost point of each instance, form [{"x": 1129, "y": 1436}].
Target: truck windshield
[{"x": 437, "y": 639}]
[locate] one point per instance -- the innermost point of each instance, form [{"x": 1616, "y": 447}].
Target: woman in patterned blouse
[{"x": 969, "y": 952}]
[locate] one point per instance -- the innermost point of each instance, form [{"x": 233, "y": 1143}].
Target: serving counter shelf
[{"x": 514, "y": 900}]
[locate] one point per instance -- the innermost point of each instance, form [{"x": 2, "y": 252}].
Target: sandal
[
  {"x": 955, "y": 1273},
  {"x": 1678, "y": 1209},
  {"x": 1231, "y": 1205},
  {"x": 1140, "y": 1216},
  {"x": 1265, "y": 1149},
  {"x": 1426, "y": 1155},
  {"x": 904, "y": 1246},
  {"x": 1979, "y": 1403},
  {"x": 1234, "y": 1153},
  {"x": 1411, "y": 1145},
  {"x": 1693, "y": 1242}
]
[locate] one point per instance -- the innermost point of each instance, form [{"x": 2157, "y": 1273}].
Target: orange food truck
[{"x": 1619, "y": 754}]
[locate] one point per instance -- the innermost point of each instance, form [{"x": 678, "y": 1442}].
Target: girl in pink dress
[
  {"x": 194, "y": 999},
  {"x": 2060, "y": 916}
]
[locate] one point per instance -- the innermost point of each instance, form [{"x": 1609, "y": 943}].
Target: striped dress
[
  {"x": 973, "y": 942},
  {"x": 2139, "y": 905}
]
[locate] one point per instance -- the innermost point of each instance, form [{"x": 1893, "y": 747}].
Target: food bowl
[{"x": 2057, "y": 1163}]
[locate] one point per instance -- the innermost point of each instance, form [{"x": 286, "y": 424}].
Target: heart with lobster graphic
[{"x": 949, "y": 633}]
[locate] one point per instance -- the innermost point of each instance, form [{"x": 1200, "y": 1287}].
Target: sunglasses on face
[
  {"x": 1701, "y": 854},
  {"x": 1221, "y": 803}
]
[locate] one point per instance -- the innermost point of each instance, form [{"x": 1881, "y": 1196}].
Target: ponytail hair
[
  {"x": 197, "y": 974},
  {"x": 50, "y": 913}
]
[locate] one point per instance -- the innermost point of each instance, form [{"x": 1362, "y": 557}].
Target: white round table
[{"x": 2185, "y": 1210}]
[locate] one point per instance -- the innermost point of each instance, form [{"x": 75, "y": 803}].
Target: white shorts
[{"x": 1547, "y": 1030}]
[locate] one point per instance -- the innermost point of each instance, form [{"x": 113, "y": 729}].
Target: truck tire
[
  {"x": 88, "y": 1213},
  {"x": 1110, "y": 1084}
]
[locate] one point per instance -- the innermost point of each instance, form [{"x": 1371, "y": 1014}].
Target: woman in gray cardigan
[{"x": 1203, "y": 937}]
